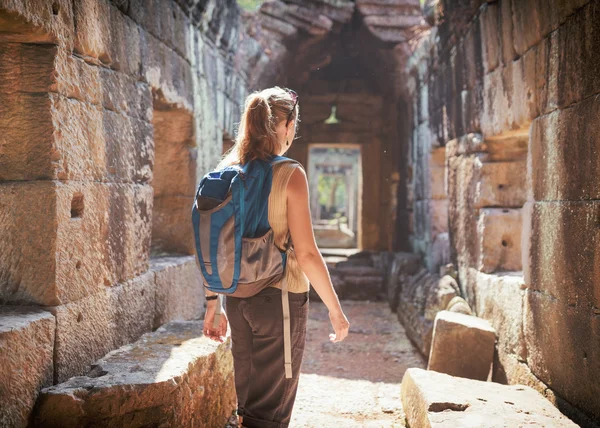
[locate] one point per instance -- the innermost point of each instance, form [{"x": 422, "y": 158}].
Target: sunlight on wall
[{"x": 250, "y": 5}]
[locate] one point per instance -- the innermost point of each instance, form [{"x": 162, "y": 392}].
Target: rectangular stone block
[
  {"x": 500, "y": 300},
  {"x": 26, "y": 67},
  {"x": 40, "y": 22},
  {"x": 64, "y": 241},
  {"x": 436, "y": 400},
  {"x": 567, "y": 369},
  {"x": 179, "y": 289},
  {"x": 500, "y": 238},
  {"x": 49, "y": 136},
  {"x": 502, "y": 184},
  {"x": 27, "y": 137},
  {"x": 491, "y": 35},
  {"x": 563, "y": 301},
  {"x": 462, "y": 345},
  {"x": 107, "y": 36},
  {"x": 565, "y": 153},
  {"x": 171, "y": 377},
  {"x": 560, "y": 255},
  {"x": 26, "y": 349},
  {"x": 509, "y": 97},
  {"x": 165, "y": 69},
  {"x": 125, "y": 94},
  {"x": 89, "y": 328},
  {"x": 92, "y": 29},
  {"x": 578, "y": 43}
]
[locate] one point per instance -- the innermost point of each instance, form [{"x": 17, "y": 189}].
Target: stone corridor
[{"x": 454, "y": 162}]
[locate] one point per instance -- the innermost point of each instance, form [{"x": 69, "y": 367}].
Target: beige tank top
[{"x": 297, "y": 280}]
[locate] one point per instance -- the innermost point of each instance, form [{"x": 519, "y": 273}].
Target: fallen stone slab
[
  {"x": 431, "y": 399},
  {"x": 26, "y": 347},
  {"x": 171, "y": 377},
  {"x": 462, "y": 345}
]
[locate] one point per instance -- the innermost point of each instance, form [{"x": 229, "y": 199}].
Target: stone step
[
  {"x": 435, "y": 400},
  {"x": 171, "y": 377},
  {"x": 351, "y": 270},
  {"x": 26, "y": 348}
]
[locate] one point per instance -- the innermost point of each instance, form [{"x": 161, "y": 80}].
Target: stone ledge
[
  {"x": 26, "y": 347},
  {"x": 171, "y": 377},
  {"x": 179, "y": 290},
  {"x": 432, "y": 399}
]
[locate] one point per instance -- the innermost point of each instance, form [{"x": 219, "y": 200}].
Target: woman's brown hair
[{"x": 257, "y": 137}]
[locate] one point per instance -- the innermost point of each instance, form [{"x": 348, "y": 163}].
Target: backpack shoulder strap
[{"x": 281, "y": 159}]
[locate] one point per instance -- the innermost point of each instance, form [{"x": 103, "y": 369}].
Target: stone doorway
[{"x": 335, "y": 181}]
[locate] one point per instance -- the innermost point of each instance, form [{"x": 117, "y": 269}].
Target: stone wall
[
  {"x": 503, "y": 94},
  {"x": 110, "y": 113}
]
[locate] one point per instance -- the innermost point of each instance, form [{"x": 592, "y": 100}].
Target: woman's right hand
[
  {"x": 218, "y": 334},
  {"x": 340, "y": 325}
]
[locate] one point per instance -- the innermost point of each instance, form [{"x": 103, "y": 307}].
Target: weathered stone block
[
  {"x": 179, "y": 290},
  {"x": 462, "y": 345},
  {"x": 502, "y": 184},
  {"x": 173, "y": 377},
  {"x": 432, "y": 399},
  {"x": 500, "y": 234},
  {"x": 26, "y": 127},
  {"x": 500, "y": 301},
  {"x": 125, "y": 94},
  {"x": 41, "y": 22},
  {"x": 26, "y": 67},
  {"x": 93, "y": 144},
  {"x": 93, "y": 30},
  {"x": 578, "y": 43},
  {"x": 509, "y": 102},
  {"x": 565, "y": 153},
  {"x": 26, "y": 348},
  {"x": 572, "y": 322},
  {"x": 105, "y": 35},
  {"x": 64, "y": 241},
  {"x": 125, "y": 43},
  {"x": 89, "y": 328},
  {"x": 167, "y": 71},
  {"x": 129, "y": 148},
  {"x": 77, "y": 79},
  {"x": 562, "y": 240},
  {"x": 491, "y": 32},
  {"x": 560, "y": 269}
]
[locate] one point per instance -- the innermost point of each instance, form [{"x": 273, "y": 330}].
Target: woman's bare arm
[{"x": 308, "y": 255}]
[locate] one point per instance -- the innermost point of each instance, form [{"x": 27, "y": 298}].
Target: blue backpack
[
  {"x": 235, "y": 244},
  {"x": 234, "y": 241}
]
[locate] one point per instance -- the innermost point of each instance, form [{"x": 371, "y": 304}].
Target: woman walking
[{"x": 265, "y": 395}]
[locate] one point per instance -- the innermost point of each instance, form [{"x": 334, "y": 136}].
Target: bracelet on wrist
[{"x": 215, "y": 297}]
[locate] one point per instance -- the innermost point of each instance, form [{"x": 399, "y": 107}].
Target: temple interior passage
[{"x": 453, "y": 158}]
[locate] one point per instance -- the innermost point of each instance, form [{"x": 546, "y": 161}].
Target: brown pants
[{"x": 265, "y": 396}]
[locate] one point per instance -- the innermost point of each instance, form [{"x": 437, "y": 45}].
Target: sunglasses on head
[{"x": 294, "y": 96}]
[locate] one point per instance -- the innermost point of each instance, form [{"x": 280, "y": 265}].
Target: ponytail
[{"x": 257, "y": 137}]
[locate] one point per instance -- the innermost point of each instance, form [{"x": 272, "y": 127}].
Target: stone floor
[{"x": 355, "y": 383}]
